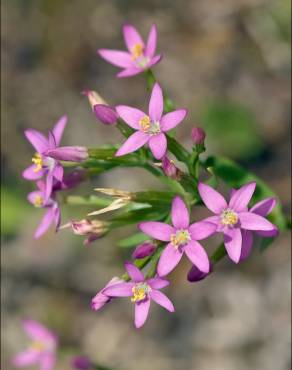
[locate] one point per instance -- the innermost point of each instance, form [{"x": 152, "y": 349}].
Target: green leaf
[
  {"x": 148, "y": 214},
  {"x": 133, "y": 240},
  {"x": 235, "y": 176}
]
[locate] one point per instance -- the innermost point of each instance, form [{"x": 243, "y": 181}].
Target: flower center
[
  {"x": 140, "y": 292},
  {"x": 38, "y": 201},
  {"x": 149, "y": 127},
  {"x": 37, "y": 346},
  {"x": 137, "y": 51},
  {"x": 38, "y": 161},
  {"x": 229, "y": 217},
  {"x": 181, "y": 237}
]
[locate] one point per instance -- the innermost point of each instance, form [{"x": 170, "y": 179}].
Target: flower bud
[
  {"x": 105, "y": 114},
  {"x": 195, "y": 274},
  {"x": 92, "y": 229},
  {"x": 143, "y": 250},
  {"x": 170, "y": 169},
  {"x": 73, "y": 179},
  {"x": 68, "y": 153},
  {"x": 198, "y": 135},
  {"x": 81, "y": 363},
  {"x": 93, "y": 97}
]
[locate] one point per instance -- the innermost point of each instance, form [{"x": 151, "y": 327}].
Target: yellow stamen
[
  {"x": 137, "y": 50},
  {"x": 37, "y": 160},
  {"x": 229, "y": 217},
  {"x": 38, "y": 201},
  {"x": 139, "y": 292},
  {"x": 181, "y": 237},
  {"x": 37, "y": 346},
  {"x": 145, "y": 123}
]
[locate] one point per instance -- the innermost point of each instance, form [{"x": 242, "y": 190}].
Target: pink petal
[
  {"x": 154, "y": 61},
  {"x": 241, "y": 197},
  {"x": 264, "y": 207},
  {"x": 116, "y": 57},
  {"x": 131, "y": 36},
  {"x": 141, "y": 312},
  {"x": 51, "y": 140},
  {"x": 134, "y": 142},
  {"x": 157, "y": 230},
  {"x": 131, "y": 71},
  {"x": 32, "y": 196},
  {"x": 195, "y": 274},
  {"x": 57, "y": 217},
  {"x": 212, "y": 199},
  {"x": 172, "y": 119},
  {"x": 233, "y": 243},
  {"x": 59, "y": 129},
  {"x": 156, "y": 103},
  {"x": 169, "y": 258},
  {"x": 135, "y": 274},
  {"x": 202, "y": 230},
  {"x": 45, "y": 223},
  {"x": 119, "y": 290},
  {"x": 47, "y": 361},
  {"x": 49, "y": 186},
  {"x": 247, "y": 240},
  {"x": 198, "y": 256},
  {"x": 179, "y": 214},
  {"x": 130, "y": 115},
  {"x": 268, "y": 234},
  {"x": 158, "y": 145},
  {"x": 157, "y": 283},
  {"x": 58, "y": 172},
  {"x": 30, "y": 174},
  {"x": 162, "y": 300},
  {"x": 37, "y": 331},
  {"x": 151, "y": 42},
  {"x": 37, "y": 140},
  {"x": 25, "y": 358},
  {"x": 252, "y": 221}
]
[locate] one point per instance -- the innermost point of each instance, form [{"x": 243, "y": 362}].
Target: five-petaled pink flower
[
  {"x": 234, "y": 220},
  {"x": 140, "y": 56},
  {"x": 141, "y": 291},
  {"x": 149, "y": 128},
  {"x": 182, "y": 237},
  {"x": 42, "y": 350},
  {"x": 45, "y": 165}
]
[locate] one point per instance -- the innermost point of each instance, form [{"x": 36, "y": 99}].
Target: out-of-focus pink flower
[
  {"x": 149, "y": 128},
  {"x": 181, "y": 237},
  {"x": 141, "y": 291},
  {"x": 81, "y": 363},
  {"x": 234, "y": 220},
  {"x": 143, "y": 250},
  {"x": 44, "y": 165},
  {"x": 42, "y": 350},
  {"x": 139, "y": 57},
  {"x": 100, "y": 299}
]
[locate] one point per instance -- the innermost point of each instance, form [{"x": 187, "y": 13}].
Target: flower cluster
[{"x": 163, "y": 218}]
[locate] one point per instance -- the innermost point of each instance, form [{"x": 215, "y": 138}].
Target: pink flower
[
  {"x": 42, "y": 350},
  {"x": 141, "y": 291},
  {"x": 52, "y": 215},
  {"x": 149, "y": 128},
  {"x": 100, "y": 299},
  {"x": 139, "y": 57},
  {"x": 181, "y": 237},
  {"x": 45, "y": 165},
  {"x": 234, "y": 220}
]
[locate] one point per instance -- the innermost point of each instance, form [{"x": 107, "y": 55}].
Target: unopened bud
[
  {"x": 198, "y": 135},
  {"x": 105, "y": 114},
  {"x": 93, "y": 97},
  {"x": 170, "y": 169},
  {"x": 93, "y": 229},
  {"x": 143, "y": 250},
  {"x": 68, "y": 153},
  {"x": 195, "y": 274}
]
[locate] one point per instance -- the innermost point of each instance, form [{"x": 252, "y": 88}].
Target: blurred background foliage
[{"x": 229, "y": 63}]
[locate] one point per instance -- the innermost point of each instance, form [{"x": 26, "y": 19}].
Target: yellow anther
[
  {"x": 145, "y": 123},
  {"x": 37, "y": 160},
  {"x": 38, "y": 201},
  {"x": 181, "y": 237},
  {"x": 139, "y": 292},
  {"x": 137, "y": 51},
  {"x": 37, "y": 346},
  {"x": 229, "y": 217}
]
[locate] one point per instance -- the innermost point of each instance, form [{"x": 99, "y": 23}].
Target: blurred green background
[{"x": 228, "y": 62}]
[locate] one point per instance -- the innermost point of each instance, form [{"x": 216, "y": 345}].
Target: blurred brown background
[{"x": 228, "y": 61}]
